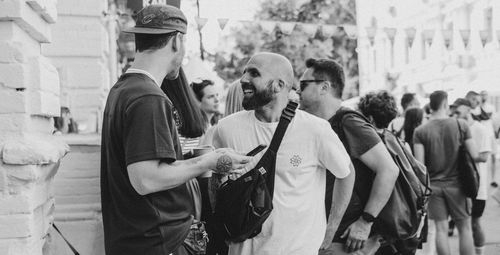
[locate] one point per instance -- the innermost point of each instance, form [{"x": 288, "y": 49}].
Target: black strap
[
  {"x": 460, "y": 131},
  {"x": 67, "y": 242},
  {"x": 285, "y": 119}
]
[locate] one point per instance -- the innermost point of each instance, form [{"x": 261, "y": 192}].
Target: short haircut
[
  {"x": 198, "y": 87},
  {"x": 407, "y": 99},
  {"x": 381, "y": 106},
  {"x": 471, "y": 94},
  {"x": 437, "y": 98},
  {"x": 327, "y": 69},
  {"x": 145, "y": 42}
]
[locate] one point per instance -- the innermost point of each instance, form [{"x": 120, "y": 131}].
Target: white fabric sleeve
[
  {"x": 486, "y": 145},
  {"x": 216, "y": 139},
  {"x": 331, "y": 152}
]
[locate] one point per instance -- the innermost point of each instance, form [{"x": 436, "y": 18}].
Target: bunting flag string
[
  {"x": 200, "y": 22},
  {"x": 447, "y": 37},
  {"x": 410, "y": 36},
  {"x": 352, "y": 31},
  {"x": 465, "y": 34},
  {"x": 222, "y": 23}
]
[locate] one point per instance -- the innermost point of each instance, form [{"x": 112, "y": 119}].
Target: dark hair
[
  {"x": 327, "y": 69},
  {"x": 427, "y": 109},
  {"x": 381, "y": 106},
  {"x": 407, "y": 99},
  {"x": 413, "y": 119},
  {"x": 190, "y": 121},
  {"x": 437, "y": 98},
  {"x": 471, "y": 94},
  {"x": 145, "y": 42},
  {"x": 199, "y": 86}
]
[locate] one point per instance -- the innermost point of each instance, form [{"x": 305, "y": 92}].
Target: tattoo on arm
[{"x": 224, "y": 164}]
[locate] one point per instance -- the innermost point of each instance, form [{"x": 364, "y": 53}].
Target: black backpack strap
[
  {"x": 285, "y": 119},
  {"x": 65, "y": 240}
]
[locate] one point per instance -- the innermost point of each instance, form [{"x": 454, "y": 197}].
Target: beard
[{"x": 256, "y": 99}]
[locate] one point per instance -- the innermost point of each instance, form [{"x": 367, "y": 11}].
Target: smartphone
[{"x": 257, "y": 150}]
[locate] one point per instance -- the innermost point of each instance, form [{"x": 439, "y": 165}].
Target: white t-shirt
[
  {"x": 297, "y": 223},
  {"x": 482, "y": 140}
]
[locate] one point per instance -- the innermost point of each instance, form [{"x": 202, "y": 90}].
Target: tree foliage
[{"x": 297, "y": 46}]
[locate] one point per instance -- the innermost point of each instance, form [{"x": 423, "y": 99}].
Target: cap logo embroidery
[{"x": 148, "y": 18}]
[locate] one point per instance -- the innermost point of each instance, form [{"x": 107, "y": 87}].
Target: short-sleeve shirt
[
  {"x": 297, "y": 224},
  {"x": 138, "y": 125},
  {"x": 359, "y": 137},
  {"x": 441, "y": 140},
  {"x": 482, "y": 141}
]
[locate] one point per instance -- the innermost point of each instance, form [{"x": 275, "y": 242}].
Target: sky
[{"x": 234, "y": 10}]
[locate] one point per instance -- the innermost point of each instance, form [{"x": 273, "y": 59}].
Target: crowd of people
[{"x": 166, "y": 151}]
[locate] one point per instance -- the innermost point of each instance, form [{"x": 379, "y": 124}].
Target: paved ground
[{"x": 491, "y": 226}]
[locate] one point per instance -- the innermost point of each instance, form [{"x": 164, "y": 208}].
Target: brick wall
[
  {"x": 29, "y": 155},
  {"x": 80, "y": 50}
]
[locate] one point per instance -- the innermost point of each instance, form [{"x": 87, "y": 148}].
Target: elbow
[{"x": 140, "y": 187}]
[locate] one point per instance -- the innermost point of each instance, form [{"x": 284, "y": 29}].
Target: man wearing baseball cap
[{"x": 146, "y": 206}]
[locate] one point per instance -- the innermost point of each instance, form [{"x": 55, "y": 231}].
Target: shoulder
[
  {"x": 234, "y": 120},
  {"x": 134, "y": 86},
  {"x": 311, "y": 122}
]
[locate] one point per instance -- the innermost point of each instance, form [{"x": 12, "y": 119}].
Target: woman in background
[{"x": 413, "y": 119}]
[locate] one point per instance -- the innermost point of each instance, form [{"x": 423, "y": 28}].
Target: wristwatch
[{"x": 368, "y": 217}]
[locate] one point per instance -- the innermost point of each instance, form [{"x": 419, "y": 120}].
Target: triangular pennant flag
[
  {"x": 201, "y": 22},
  {"x": 465, "y": 34},
  {"x": 309, "y": 29},
  {"x": 391, "y": 33},
  {"x": 410, "y": 35},
  {"x": 428, "y": 35},
  {"x": 351, "y": 31},
  {"x": 268, "y": 26},
  {"x": 447, "y": 37},
  {"x": 222, "y": 23},
  {"x": 328, "y": 30},
  {"x": 485, "y": 36},
  {"x": 286, "y": 27},
  {"x": 370, "y": 32}
]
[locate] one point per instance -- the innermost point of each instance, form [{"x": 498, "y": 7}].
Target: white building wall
[{"x": 424, "y": 68}]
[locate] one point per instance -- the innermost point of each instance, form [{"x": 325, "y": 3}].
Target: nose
[{"x": 244, "y": 79}]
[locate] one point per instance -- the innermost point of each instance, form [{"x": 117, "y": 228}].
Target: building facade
[{"x": 425, "y": 45}]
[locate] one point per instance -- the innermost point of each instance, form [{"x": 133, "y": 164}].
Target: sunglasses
[{"x": 305, "y": 83}]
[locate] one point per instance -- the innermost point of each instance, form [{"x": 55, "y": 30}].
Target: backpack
[{"x": 403, "y": 216}]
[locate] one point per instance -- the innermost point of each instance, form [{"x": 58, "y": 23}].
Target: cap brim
[{"x": 147, "y": 30}]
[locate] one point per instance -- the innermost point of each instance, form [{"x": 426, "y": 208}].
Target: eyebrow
[{"x": 251, "y": 69}]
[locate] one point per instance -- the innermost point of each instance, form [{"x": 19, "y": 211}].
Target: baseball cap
[
  {"x": 461, "y": 101},
  {"x": 159, "y": 19}
]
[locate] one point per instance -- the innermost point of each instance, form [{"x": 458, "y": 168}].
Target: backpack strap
[
  {"x": 71, "y": 247},
  {"x": 285, "y": 119}
]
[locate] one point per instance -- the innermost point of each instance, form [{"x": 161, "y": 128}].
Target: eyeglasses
[{"x": 305, "y": 83}]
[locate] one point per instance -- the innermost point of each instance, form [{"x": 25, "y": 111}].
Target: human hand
[
  {"x": 357, "y": 234},
  {"x": 227, "y": 161}
]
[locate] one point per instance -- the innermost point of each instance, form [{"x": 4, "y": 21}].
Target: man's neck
[
  {"x": 147, "y": 63},
  {"x": 441, "y": 114},
  {"x": 272, "y": 111},
  {"x": 328, "y": 108}
]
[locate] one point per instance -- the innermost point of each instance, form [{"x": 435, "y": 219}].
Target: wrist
[{"x": 367, "y": 218}]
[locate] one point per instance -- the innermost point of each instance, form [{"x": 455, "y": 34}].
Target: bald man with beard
[{"x": 309, "y": 148}]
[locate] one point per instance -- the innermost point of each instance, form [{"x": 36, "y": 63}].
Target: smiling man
[{"x": 297, "y": 223}]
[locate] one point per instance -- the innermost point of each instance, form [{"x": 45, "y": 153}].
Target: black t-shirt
[
  {"x": 138, "y": 125},
  {"x": 358, "y": 136}
]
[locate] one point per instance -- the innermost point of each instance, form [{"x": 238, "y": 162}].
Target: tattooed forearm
[{"x": 224, "y": 164}]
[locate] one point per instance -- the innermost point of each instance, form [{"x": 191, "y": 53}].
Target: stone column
[{"x": 29, "y": 155}]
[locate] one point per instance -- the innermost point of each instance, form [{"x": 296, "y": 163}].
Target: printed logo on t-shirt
[{"x": 295, "y": 160}]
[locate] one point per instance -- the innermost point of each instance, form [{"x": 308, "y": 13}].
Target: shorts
[
  {"x": 448, "y": 201},
  {"x": 478, "y": 208}
]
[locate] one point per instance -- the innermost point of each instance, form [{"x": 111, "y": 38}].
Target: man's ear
[
  {"x": 279, "y": 85},
  {"x": 175, "y": 42},
  {"x": 325, "y": 88}
]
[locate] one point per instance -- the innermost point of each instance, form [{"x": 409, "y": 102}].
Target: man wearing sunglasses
[{"x": 320, "y": 93}]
